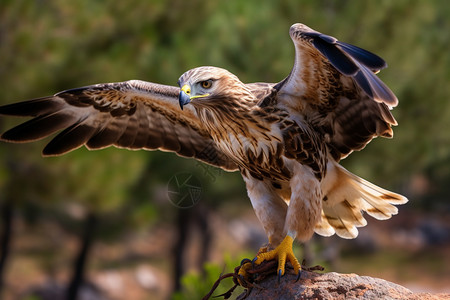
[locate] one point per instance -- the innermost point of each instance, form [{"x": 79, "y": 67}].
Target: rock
[{"x": 334, "y": 286}]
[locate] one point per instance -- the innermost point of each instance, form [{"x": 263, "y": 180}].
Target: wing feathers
[
  {"x": 349, "y": 60},
  {"x": 378, "y": 90},
  {"x": 130, "y": 133},
  {"x": 108, "y": 135},
  {"x": 142, "y": 130},
  {"x": 39, "y": 127},
  {"x": 69, "y": 139},
  {"x": 32, "y": 108},
  {"x": 366, "y": 58},
  {"x": 338, "y": 59},
  {"x": 132, "y": 114},
  {"x": 333, "y": 86}
]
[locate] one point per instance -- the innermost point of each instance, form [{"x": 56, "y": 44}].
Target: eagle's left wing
[
  {"x": 132, "y": 114},
  {"x": 334, "y": 86}
]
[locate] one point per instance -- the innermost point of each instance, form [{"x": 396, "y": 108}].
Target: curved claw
[
  {"x": 298, "y": 275},
  {"x": 253, "y": 261},
  {"x": 245, "y": 260},
  {"x": 279, "y": 275}
]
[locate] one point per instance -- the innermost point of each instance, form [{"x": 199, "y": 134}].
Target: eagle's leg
[
  {"x": 302, "y": 215},
  {"x": 271, "y": 211}
]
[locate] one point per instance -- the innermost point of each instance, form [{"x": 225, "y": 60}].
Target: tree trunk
[
  {"x": 186, "y": 221},
  {"x": 183, "y": 226},
  {"x": 202, "y": 219},
  {"x": 5, "y": 238},
  {"x": 80, "y": 262}
]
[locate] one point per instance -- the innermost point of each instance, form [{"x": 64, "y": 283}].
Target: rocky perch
[{"x": 333, "y": 286}]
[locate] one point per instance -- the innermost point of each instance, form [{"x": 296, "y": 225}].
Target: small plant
[{"x": 196, "y": 285}]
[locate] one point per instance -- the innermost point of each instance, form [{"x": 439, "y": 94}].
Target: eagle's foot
[
  {"x": 243, "y": 274},
  {"x": 247, "y": 264},
  {"x": 282, "y": 252}
]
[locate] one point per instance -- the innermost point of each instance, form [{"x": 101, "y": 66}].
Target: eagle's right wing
[
  {"x": 132, "y": 114},
  {"x": 334, "y": 86}
]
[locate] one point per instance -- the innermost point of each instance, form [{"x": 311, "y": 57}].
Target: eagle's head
[{"x": 204, "y": 85}]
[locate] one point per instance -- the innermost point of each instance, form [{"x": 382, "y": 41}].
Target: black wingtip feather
[
  {"x": 336, "y": 57},
  {"x": 379, "y": 90},
  {"x": 328, "y": 38},
  {"x": 364, "y": 83},
  {"x": 356, "y": 62},
  {"x": 37, "y": 128},
  {"x": 366, "y": 58},
  {"x": 31, "y": 108}
]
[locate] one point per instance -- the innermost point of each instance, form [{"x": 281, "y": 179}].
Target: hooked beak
[{"x": 184, "y": 97}]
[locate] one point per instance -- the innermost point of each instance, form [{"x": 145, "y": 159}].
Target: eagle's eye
[{"x": 206, "y": 84}]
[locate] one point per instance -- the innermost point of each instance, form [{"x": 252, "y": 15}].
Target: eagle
[{"x": 285, "y": 138}]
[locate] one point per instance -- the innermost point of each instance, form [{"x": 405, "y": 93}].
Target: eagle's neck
[
  {"x": 242, "y": 133},
  {"x": 222, "y": 119}
]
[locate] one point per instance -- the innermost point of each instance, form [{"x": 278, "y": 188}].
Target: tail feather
[{"x": 346, "y": 197}]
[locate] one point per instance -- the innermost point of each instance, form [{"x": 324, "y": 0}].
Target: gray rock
[{"x": 334, "y": 286}]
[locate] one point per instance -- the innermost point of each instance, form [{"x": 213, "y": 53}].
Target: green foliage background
[{"x": 51, "y": 45}]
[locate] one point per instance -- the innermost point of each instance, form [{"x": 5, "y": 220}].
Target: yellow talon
[
  {"x": 247, "y": 264},
  {"x": 243, "y": 270},
  {"x": 283, "y": 251}
]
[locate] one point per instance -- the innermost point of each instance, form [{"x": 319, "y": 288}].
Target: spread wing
[
  {"x": 132, "y": 114},
  {"x": 333, "y": 85}
]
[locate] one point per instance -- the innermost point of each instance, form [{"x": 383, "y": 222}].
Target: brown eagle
[{"x": 285, "y": 138}]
